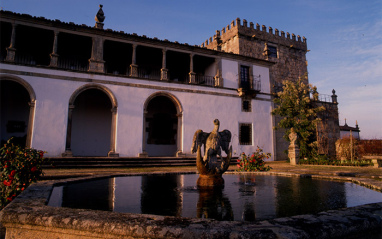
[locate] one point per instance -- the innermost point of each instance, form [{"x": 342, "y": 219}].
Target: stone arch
[
  {"x": 179, "y": 115},
  {"x": 114, "y": 107},
  {"x": 32, "y": 103}
]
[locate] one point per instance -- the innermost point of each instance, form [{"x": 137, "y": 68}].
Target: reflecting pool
[{"x": 245, "y": 197}]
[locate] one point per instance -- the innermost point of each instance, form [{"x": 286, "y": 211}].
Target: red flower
[
  {"x": 33, "y": 169},
  {"x": 5, "y": 166},
  {"x": 13, "y": 172},
  {"x": 9, "y": 199},
  {"x": 41, "y": 154},
  {"x": 7, "y": 183}
]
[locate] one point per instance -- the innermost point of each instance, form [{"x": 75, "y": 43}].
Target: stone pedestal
[
  {"x": 144, "y": 154},
  {"x": 11, "y": 52},
  {"x": 180, "y": 154},
  {"x": 293, "y": 155},
  {"x": 218, "y": 81},
  {"x": 207, "y": 181},
  {"x": 53, "y": 60},
  {"x": 163, "y": 74},
  {"x": 192, "y": 79},
  {"x": 68, "y": 153},
  {"x": 96, "y": 66},
  {"x": 113, "y": 154},
  {"x": 293, "y": 150},
  {"x": 133, "y": 70}
]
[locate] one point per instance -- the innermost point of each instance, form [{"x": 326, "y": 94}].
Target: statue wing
[
  {"x": 225, "y": 137},
  {"x": 200, "y": 138}
]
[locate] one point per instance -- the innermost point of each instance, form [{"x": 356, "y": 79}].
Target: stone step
[{"x": 105, "y": 162}]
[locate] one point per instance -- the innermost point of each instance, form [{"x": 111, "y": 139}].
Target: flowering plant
[
  {"x": 255, "y": 162},
  {"x": 20, "y": 167}
]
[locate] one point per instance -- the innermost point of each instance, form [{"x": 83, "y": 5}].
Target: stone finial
[
  {"x": 99, "y": 18},
  {"x": 334, "y": 96}
]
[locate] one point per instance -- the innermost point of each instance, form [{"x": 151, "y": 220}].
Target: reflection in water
[
  {"x": 243, "y": 198},
  {"x": 214, "y": 204},
  {"x": 296, "y": 196},
  {"x": 95, "y": 194},
  {"x": 160, "y": 196}
]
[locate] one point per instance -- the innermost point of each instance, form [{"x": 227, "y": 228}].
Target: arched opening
[
  {"x": 17, "y": 101},
  {"x": 91, "y": 123},
  {"x": 162, "y": 126}
]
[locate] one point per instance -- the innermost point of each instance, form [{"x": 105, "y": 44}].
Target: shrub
[
  {"x": 255, "y": 162},
  {"x": 20, "y": 168},
  {"x": 370, "y": 147}
]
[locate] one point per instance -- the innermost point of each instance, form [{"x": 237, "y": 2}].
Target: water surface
[{"x": 243, "y": 198}]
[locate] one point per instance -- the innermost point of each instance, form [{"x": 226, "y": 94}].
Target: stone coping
[{"x": 28, "y": 216}]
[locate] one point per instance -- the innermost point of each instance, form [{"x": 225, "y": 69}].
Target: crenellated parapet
[{"x": 255, "y": 33}]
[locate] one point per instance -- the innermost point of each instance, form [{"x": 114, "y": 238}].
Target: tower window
[{"x": 272, "y": 51}]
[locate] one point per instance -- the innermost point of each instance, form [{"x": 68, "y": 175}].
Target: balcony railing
[
  {"x": 205, "y": 80},
  {"x": 324, "y": 98},
  {"x": 24, "y": 59},
  {"x": 256, "y": 83},
  {"x": 72, "y": 64},
  {"x": 147, "y": 73}
]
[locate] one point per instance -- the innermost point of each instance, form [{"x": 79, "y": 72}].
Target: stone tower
[
  {"x": 288, "y": 53},
  {"x": 286, "y": 50}
]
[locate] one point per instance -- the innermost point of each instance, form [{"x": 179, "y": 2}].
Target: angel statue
[{"x": 209, "y": 169}]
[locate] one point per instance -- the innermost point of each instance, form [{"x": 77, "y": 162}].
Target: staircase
[{"x": 120, "y": 162}]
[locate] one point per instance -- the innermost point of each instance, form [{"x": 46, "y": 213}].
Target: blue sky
[{"x": 344, "y": 37}]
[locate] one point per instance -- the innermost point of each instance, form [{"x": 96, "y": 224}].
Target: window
[
  {"x": 245, "y": 134},
  {"x": 246, "y": 105},
  {"x": 244, "y": 77},
  {"x": 272, "y": 51}
]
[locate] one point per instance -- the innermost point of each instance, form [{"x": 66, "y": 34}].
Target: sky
[{"x": 344, "y": 37}]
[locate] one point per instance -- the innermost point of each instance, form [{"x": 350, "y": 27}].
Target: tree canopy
[{"x": 297, "y": 110}]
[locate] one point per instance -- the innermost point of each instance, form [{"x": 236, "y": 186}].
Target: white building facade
[{"x": 132, "y": 96}]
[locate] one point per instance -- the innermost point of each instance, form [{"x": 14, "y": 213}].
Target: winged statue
[{"x": 213, "y": 144}]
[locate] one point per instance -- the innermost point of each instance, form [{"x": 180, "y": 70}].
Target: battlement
[{"x": 255, "y": 32}]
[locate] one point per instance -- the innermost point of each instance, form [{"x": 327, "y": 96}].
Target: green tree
[{"x": 298, "y": 111}]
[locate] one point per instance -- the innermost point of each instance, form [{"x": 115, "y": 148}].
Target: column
[
  {"x": 96, "y": 62},
  {"x": 112, "y": 152},
  {"x": 144, "y": 153},
  {"x": 192, "y": 74},
  {"x": 32, "y": 105},
  {"x": 11, "y": 50},
  {"x": 134, "y": 66},
  {"x": 68, "y": 150},
  {"x": 218, "y": 76},
  {"x": 164, "y": 75},
  {"x": 179, "y": 141},
  {"x": 54, "y": 56}
]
